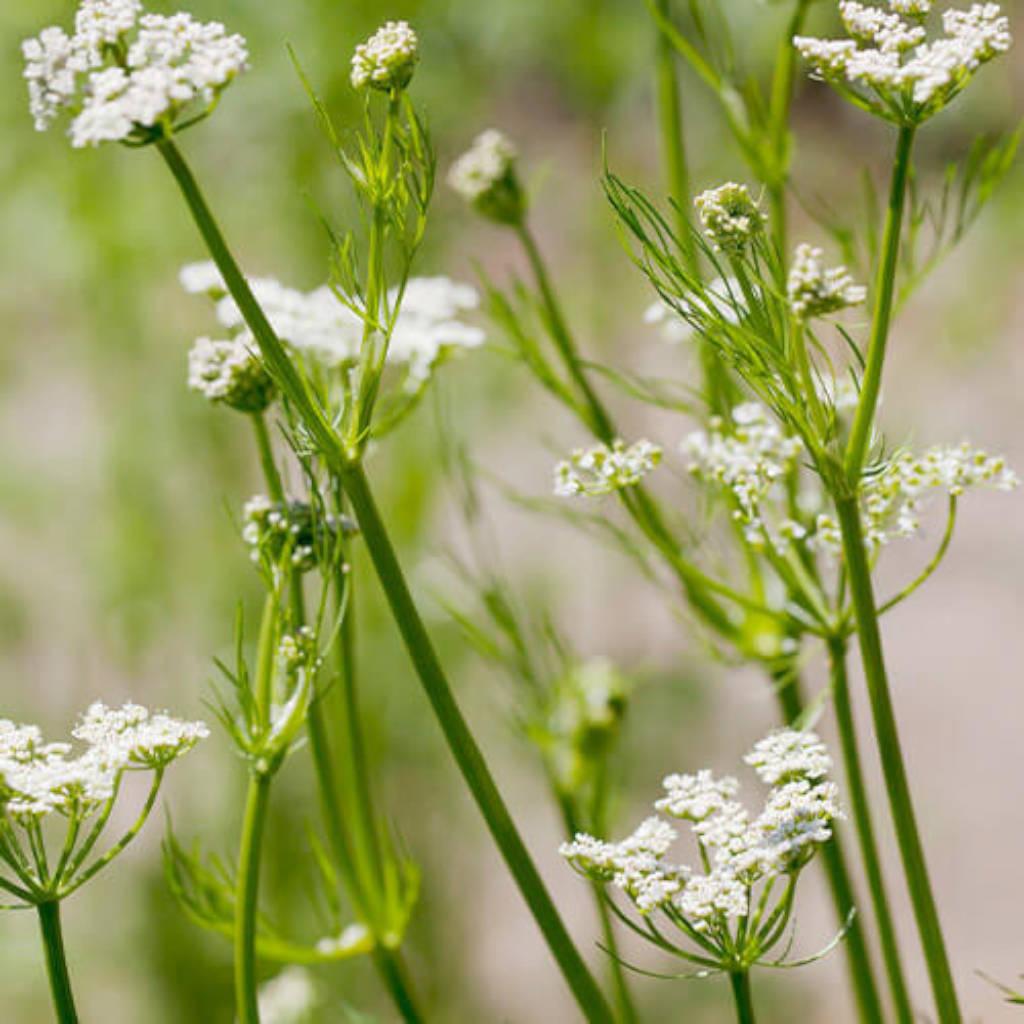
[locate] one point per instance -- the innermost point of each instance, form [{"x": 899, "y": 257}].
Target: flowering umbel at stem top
[
  {"x": 127, "y": 76},
  {"x": 889, "y": 67}
]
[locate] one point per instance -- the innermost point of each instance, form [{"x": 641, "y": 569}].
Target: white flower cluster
[
  {"x": 123, "y": 72},
  {"x": 890, "y": 55},
  {"x": 485, "y": 177},
  {"x": 891, "y": 500},
  {"x": 816, "y": 290},
  {"x": 230, "y": 371},
  {"x": 730, "y": 217},
  {"x": 38, "y": 779},
  {"x": 320, "y": 327},
  {"x": 737, "y": 851},
  {"x": 600, "y": 470},
  {"x": 750, "y": 460},
  {"x": 387, "y": 59},
  {"x": 484, "y": 165},
  {"x": 290, "y": 997}
]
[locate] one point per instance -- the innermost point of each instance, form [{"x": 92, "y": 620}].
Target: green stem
[
  {"x": 887, "y": 736},
  {"x": 246, "y": 898},
  {"x": 56, "y": 963},
  {"x": 740, "y": 981},
  {"x": 789, "y": 690},
  {"x": 860, "y": 805},
  {"x": 460, "y": 739},
  {"x": 598, "y": 419},
  {"x": 885, "y": 285},
  {"x": 465, "y": 750},
  {"x": 393, "y": 972}
]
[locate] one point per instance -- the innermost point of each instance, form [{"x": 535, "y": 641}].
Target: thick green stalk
[
  {"x": 858, "y": 797},
  {"x": 56, "y": 964},
  {"x": 460, "y": 739},
  {"x": 247, "y": 896},
  {"x": 740, "y": 982},
  {"x": 465, "y": 750},
  {"x": 887, "y": 736},
  {"x": 789, "y": 690},
  {"x": 885, "y": 286}
]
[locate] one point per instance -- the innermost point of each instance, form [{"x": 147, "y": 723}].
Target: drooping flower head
[
  {"x": 128, "y": 76},
  {"x": 485, "y": 177},
  {"x": 387, "y": 59},
  {"x": 889, "y": 64}
]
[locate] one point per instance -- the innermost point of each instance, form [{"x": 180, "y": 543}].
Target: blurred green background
[{"x": 120, "y": 566}]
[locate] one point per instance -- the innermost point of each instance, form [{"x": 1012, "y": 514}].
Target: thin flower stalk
[{"x": 431, "y": 675}]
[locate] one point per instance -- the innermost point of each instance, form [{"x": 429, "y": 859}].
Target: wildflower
[
  {"x": 387, "y": 59},
  {"x": 749, "y": 459},
  {"x": 125, "y": 75},
  {"x": 427, "y": 328},
  {"x": 320, "y": 327},
  {"x": 134, "y": 737},
  {"x": 38, "y": 779},
  {"x": 202, "y": 279},
  {"x": 601, "y": 470},
  {"x": 290, "y": 997},
  {"x": 789, "y": 755},
  {"x": 230, "y": 371},
  {"x": 891, "y": 65},
  {"x": 485, "y": 177},
  {"x": 737, "y": 852},
  {"x": 815, "y": 290},
  {"x": 729, "y": 216}
]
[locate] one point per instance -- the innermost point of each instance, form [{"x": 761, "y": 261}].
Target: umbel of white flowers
[
  {"x": 485, "y": 177},
  {"x": 751, "y": 455},
  {"x": 387, "y": 59},
  {"x": 40, "y": 780},
  {"x": 319, "y": 327},
  {"x": 816, "y": 290},
  {"x": 737, "y": 851},
  {"x": 123, "y": 74},
  {"x": 889, "y": 64},
  {"x": 599, "y": 470}
]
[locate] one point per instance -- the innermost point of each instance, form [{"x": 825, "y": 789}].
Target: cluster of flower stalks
[{"x": 780, "y": 433}]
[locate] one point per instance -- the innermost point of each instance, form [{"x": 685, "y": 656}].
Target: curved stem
[
  {"x": 893, "y": 768},
  {"x": 790, "y": 695},
  {"x": 56, "y": 963},
  {"x": 740, "y": 982},
  {"x": 885, "y": 284},
  {"x": 865, "y": 830},
  {"x": 465, "y": 750},
  {"x": 246, "y": 898}
]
